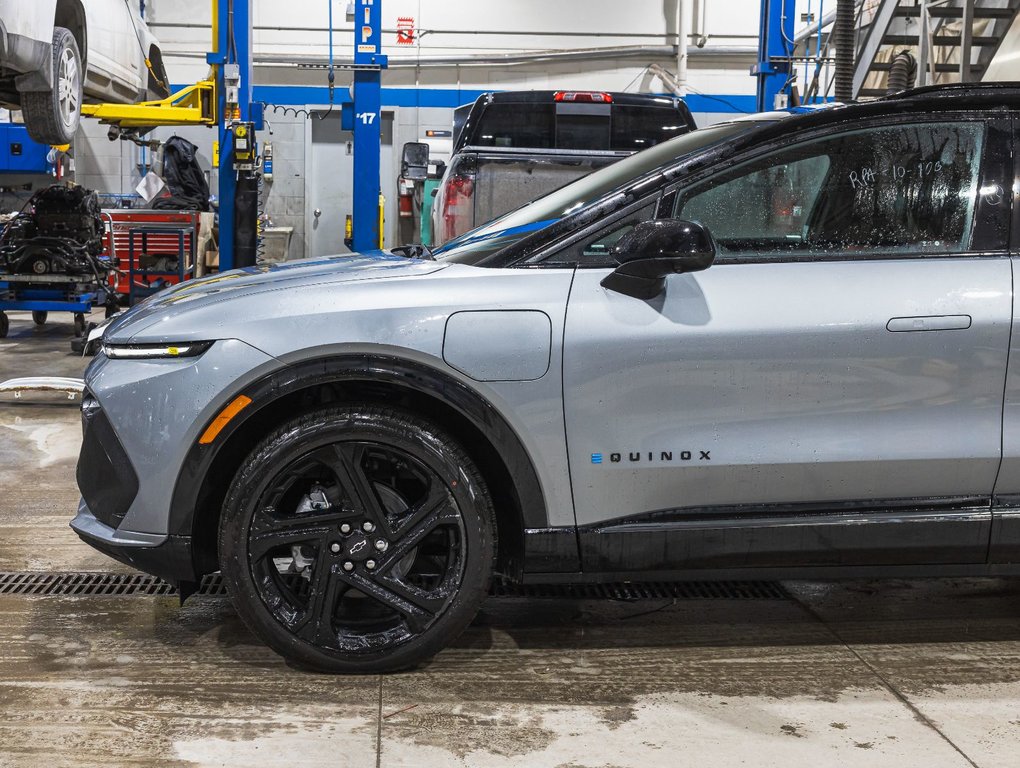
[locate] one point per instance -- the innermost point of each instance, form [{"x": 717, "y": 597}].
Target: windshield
[{"x": 473, "y": 246}]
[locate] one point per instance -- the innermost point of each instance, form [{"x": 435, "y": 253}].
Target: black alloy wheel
[{"x": 357, "y": 539}]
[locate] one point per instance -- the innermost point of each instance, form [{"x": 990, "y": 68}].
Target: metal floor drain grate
[
  {"x": 657, "y": 590},
  {"x": 88, "y": 584}
]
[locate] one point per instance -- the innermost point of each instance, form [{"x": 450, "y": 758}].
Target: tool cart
[{"x": 51, "y": 258}]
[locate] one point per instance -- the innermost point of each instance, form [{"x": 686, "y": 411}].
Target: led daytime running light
[{"x": 155, "y": 351}]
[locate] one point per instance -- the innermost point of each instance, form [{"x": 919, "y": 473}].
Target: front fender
[{"x": 194, "y": 478}]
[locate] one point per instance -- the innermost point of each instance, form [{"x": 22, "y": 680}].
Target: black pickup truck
[{"x": 516, "y": 146}]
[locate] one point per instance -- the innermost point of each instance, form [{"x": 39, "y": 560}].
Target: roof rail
[{"x": 953, "y": 90}]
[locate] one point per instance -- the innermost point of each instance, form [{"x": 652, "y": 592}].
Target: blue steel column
[
  {"x": 367, "y": 122},
  {"x": 775, "y": 42},
  {"x": 235, "y": 47}
]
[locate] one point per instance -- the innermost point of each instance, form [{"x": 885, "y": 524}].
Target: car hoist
[
  {"x": 225, "y": 99},
  {"x": 191, "y": 105}
]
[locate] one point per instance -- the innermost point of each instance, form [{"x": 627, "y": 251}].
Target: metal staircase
[{"x": 952, "y": 41}]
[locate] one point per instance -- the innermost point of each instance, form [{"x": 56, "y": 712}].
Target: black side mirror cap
[
  {"x": 414, "y": 161},
  {"x": 655, "y": 249}
]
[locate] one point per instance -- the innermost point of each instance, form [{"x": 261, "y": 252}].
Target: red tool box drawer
[{"x": 123, "y": 220}]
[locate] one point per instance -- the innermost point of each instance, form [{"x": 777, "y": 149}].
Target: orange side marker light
[{"x": 237, "y": 405}]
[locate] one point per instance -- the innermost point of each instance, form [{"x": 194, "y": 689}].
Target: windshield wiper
[{"x": 414, "y": 251}]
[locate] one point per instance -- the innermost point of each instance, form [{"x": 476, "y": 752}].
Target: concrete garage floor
[{"x": 902, "y": 674}]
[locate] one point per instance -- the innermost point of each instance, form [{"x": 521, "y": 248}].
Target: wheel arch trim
[
  {"x": 363, "y": 368},
  {"x": 75, "y": 10}
]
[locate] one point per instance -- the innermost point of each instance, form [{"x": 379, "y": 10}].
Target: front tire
[
  {"x": 357, "y": 539},
  {"x": 52, "y": 117}
]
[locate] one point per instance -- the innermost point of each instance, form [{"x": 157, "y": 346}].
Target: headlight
[{"x": 155, "y": 351}]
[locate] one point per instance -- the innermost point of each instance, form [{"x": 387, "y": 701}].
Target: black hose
[
  {"x": 843, "y": 38},
  {"x": 246, "y": 212},
  {"x": 902, "y": 72}
]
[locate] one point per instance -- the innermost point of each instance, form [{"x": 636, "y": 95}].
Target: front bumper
[
  {"x": 140, "y": 419},
  {"x": 106, "y": 478},
  {"x": 168, "y": 557}
]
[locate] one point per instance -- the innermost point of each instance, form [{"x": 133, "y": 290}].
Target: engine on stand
[{"x": 51, "y": 257}]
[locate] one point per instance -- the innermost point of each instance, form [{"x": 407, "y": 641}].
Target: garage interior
[{"x": 305, "y": 146}]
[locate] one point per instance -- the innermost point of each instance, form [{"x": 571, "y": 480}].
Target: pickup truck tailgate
[{"x": 508, "y": 180}]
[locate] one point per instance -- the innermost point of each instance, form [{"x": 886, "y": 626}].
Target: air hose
[
  {"x": 843, "y": 38},
  {"x": 902, "y": 72}
]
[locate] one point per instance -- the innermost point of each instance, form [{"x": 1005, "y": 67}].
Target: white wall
[
  {"x": 289, "y": 31},
  {"x": 298, "y": 28}
]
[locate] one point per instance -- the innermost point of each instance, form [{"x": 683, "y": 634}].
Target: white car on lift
[{"x": 54, "y": 53}]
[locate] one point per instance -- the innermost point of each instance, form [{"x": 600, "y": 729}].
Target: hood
[{"x": 290, "y": 275}]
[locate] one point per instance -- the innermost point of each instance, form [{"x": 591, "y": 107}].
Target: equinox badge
[{"x": 650, "y": 456}]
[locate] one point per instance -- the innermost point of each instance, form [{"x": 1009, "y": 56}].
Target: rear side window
[
  {"x": 906, "y": 188},
  {"x": 579, "y": 126}
]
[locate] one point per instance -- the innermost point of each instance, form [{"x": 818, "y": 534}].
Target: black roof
[
  {"x": 932, "y": 98},
  {"x": 1007, "y": 91},
  {"x": 952, "y": 96}
]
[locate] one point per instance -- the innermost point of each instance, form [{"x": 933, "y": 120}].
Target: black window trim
[
  {"x": 544, "y": 257},
  {"x": 1013, "y": 133}
]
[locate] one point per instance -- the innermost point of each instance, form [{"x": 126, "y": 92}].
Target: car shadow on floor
[{"x": 930, "y": 633}]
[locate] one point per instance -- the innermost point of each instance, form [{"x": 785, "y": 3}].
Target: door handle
[
  {"x": 929, "y": 323},
  {"x": 317, "y": 212}
]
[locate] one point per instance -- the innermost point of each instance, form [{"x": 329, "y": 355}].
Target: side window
[
  {"x": 907, "y": 188},
  {"x": 769, "y": 204}
]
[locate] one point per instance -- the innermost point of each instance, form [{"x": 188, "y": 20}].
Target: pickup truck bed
[{"x": 508, "y": 178}]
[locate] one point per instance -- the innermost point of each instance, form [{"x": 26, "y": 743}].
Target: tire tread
[{"x": 39, "y": 107}]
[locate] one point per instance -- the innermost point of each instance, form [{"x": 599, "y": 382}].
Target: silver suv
[{"x": 775, "y": 347}]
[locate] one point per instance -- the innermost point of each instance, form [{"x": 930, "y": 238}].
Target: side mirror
[
  {"x": 414, "y": 161},
  {"x": 655, "y": 249}
]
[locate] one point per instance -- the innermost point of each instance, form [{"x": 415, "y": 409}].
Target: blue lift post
[
  {"x": 775, "y": 51},
  {"x": 368, "y": 66},
  {"x": 234, "y": 48}
]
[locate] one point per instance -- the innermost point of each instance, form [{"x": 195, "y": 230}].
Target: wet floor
[{"x": 900, "y": 673}]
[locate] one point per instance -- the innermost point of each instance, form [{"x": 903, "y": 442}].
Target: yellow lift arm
[{"x": 192, "y": 105}]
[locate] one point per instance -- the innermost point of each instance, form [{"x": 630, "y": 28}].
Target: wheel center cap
[{"x": 358, "y": 547}]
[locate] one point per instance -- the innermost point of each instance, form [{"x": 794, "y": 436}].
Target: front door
[{"x": 829, "y": 392}]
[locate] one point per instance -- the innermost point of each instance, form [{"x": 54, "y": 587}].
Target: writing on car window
[{"x": 889, "y": 189}]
